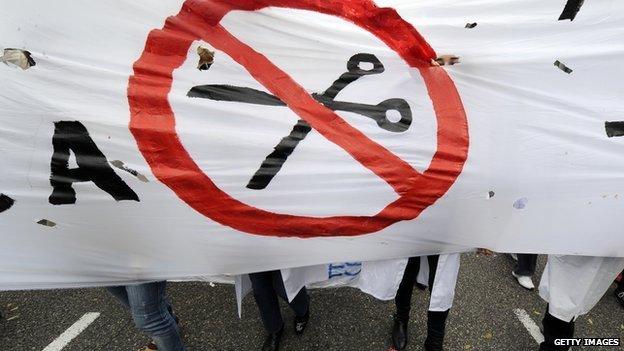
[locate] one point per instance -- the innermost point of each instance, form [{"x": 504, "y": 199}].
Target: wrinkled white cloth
[
  {"x": 536, "y": 136},
  {"x": 379, "y": 279},
  {"x": 572, "y": 285},
  {"x": 443, "y": 291}
]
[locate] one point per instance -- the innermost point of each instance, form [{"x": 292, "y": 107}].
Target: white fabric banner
[{"x": 313, "y": 131}]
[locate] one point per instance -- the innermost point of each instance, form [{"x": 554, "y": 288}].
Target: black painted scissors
[{"x": 274, "y": 161}]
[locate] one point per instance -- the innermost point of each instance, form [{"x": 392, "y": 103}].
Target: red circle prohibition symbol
[{"x": 152, "y": 119}]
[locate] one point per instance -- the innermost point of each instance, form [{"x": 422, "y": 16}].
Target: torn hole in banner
[
  {"x": 121, "y": 165},
  {"x": 447, "y": 60},
  {"x": 206, "y": 58},
  {"x": 562, "y": 67},
  {"x": 16, "y": 57},
  {"x": 46, "y": 222}
]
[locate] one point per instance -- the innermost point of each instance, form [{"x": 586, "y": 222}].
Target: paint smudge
[{"x": 520, "y": 203}]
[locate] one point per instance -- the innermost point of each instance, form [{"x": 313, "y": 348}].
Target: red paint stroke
[{"x": 153, "y": 122}]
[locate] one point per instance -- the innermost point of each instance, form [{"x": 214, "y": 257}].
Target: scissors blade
[{"x": 223, "y": 92}]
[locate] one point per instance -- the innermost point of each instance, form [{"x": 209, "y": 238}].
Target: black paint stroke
[
  {"x": 614, "y": 129},
  {"x": 92, "y": 166},
  {"x": 230, "y": 93},
  {"x": 471, "y": 25},
  {"x": 275, "y": 160},
  {"x": 571, "y": 9},
  {"x": 562, "y": 67},
  {"x": 354, "y": 72},
  {"x": 5, "y": 202},
  {"x": 378, "y": 113}
]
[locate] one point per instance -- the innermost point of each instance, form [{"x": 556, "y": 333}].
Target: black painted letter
[{"x": 92, "y": 166}]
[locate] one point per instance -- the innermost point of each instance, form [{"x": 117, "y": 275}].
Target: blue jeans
[{"x": 151, "y": 313}]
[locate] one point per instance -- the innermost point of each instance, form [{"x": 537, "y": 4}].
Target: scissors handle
[
  {"x": 353, "y": 65},
  {"x": 354, "y": 72},
  {"x": 376, "y": 112}
]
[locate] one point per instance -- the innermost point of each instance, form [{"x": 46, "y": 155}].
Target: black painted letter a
[{"x": 92, "y": 166}]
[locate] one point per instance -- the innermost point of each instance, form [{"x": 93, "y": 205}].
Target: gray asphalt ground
[{"x": 341, "y": 319}]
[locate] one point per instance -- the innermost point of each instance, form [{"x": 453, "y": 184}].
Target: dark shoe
[
  {"x": 272, "y": 341},
  {"x": 301, "y": 323},
  {"x": 399, "y": 333},
  {"x": 619, "y": 295},
  {"x": 150, "y": 347},
  {"x": 434, "y": 342}
]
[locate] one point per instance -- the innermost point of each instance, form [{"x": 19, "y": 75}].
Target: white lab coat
[
  {"x": 380, "y": 279},
  {"x": 443, "y": 291},
  {"x": 573, "y": 285}
]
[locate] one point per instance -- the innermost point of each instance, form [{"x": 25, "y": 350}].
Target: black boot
[
  {"x": 619, "y": 295},
  {"x": 301, "y": 323},
  {"x": 436, "y": 325},
  {"x": 619, "y": 291},
  {"x": 399, "y": 333},
  {"x": 555, "y": 328},
  {"x": 272, "y": 341}
]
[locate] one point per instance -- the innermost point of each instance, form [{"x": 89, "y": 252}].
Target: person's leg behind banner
[
  {"x": 443, "y": 273},
  {"x": 436, "y": 329},
  {"x": 268, "y": 305},
  {"x": 572, "y": 286},
  {"x": 525, "y": 268},
  {"x": 619, "y": 291},
  {"x": 403, "y": 303},
  {"x": 441, "y": 276},
  {"x": 151, "y": 313},
  {"x": 555, "y": 328},
  {"x": 436, "y": 320},
  {"x": 300, "y": 304}
]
